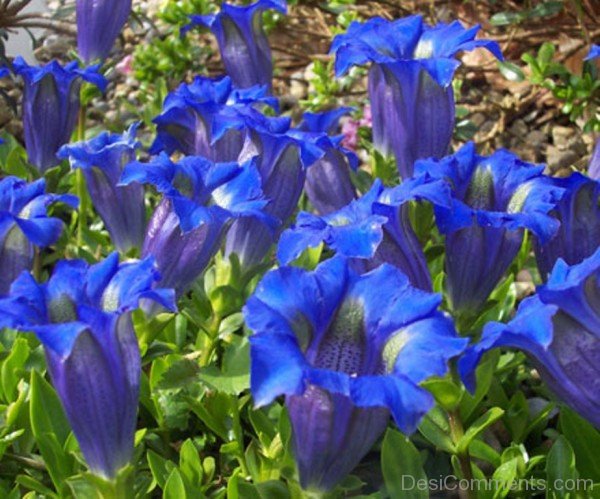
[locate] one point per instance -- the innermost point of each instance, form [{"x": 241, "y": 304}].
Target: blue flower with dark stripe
[
  {"x": 121, "y": 208},
  {"x": 345, "y": 359},
  {"x": 82, "y": 317},
  {"x": 495, "y": 199},
  {"x": 187, "y": 120},
  {"x": 559, "y": 329},
  {"x": 200, "y": 201},
  {"x": 412, "y": 66},
  {"x": 25, "y": 224},
  {"x": 328, "y": 184},
  {"x": 579, "y": 215},
  {"x": 282, "y": 154},
  {"x": 51, "y": 106},
  {"x": 242, "y": 41},
  {"x": 371, "y": 230}
]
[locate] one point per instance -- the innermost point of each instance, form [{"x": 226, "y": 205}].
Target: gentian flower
[
  {"x": 283, "y": 154},
  {"x": 559, "y": 329},
  {"x": 243, "y": 44},
  {"x": 200, "y": 199},
  {"x": 494, "y": 199},
  {"x": 4, "y": 72},
  {"x": 579, "y": 215},
  {"x": 25, "y": 224},
  {"x": 82, "y": 317},
  {"x": 328, "y": 184},
  {"x": 51, "y": 105},
  {"x": 186, "y": 123},
  {"x": 412, "y": 101},
  {"x": 345, "y": 359},
  {"x": 374, "y": 229},
  {"x": 593, "y": 53},
  {"x": 99, "y": 23},
  {"x": 121, "y": 208}
]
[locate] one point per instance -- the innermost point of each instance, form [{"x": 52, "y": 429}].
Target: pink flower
[
  {"x": 125, "y": 65},
  {"x": 367, "y": 119},
  {"x": 350, "y": 132}
]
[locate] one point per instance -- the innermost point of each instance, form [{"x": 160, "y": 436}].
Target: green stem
[
  {"x": 37, "y": 264},
  {"x": 239, "y": 435},
  {"x": 80, "y": 184}
]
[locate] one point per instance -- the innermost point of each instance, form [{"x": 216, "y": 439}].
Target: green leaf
[
  {"x": 234, "y": 377},
  {"x": 446, "y": 392},
  {"x": 517, "y": 416},
  {"x": 506, "y": 18},
  {"x": 436, "y": 429},
  {"x": 12, "y": 367},
  {"x": 585, "y": 440},
  {"x": 50, "y": 429},
  {"x": 160, "y": 468},
  {"x": 401, "y": 467},
  {"x": 477, "y": 427},
  {"x": 190, "y": 464},
  {"x": 560, "y": 466},
  {"x": 174, "y": 488},
  {"x": 511, "y": 71}
]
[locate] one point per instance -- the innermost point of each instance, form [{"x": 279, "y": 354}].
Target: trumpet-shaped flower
[
  {"x": 593, "y": 53},
  {"x": 82, "y": 317},
  {"x": 121, "y": 208},
  {"x": 283, "y": 155},
  {"x": 186, "y": 123},
  {"x": 99, "y": 23},
  {"x": 412, "y": 66},
  {"x": 345, "y": 359},
  {"x": 243, "y": 44},
  {"x": 559, "y": 329},
  {"x": 200, "y": 199},
  {"x": 328, "y": 184},
  {"x": 494, "y": 199},
  {"x": 579, "y": 215},
  {"x": 374, "y": 228},
  {"x": 25, "y": 224},
  {"x": 50, "y": 106}
]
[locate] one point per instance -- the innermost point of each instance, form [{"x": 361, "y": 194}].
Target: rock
[
  {"x": 557, "y": 159},
  {"x": 519, "y": 129},
  {"x": 561, "y": 136},
  {"x": 477, "y": 119}
]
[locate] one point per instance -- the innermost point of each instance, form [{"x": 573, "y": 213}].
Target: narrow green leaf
[
  {"x": 402, "y": 470},
  {"x": 560, "y": 467},
  {"x": 478, "y": 426},
  {"x": 174, "y": 488}
]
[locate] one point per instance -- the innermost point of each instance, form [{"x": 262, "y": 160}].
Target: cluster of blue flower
[{"x": 349, "y": 343}]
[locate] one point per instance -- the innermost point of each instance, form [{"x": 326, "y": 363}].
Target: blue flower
[
  {"x": 51, "y": 105},
  {"x": 494, "y": 199},
  {"x": 345, "y": 359},
  {"x": 4, "y": 71},
  {"x": 559, "y": 329},
  {"x": 328, "y": 184},
  {"x": 121, "y": 208},
  {"x": 374, "y": 228},
  {"x": 24, "y": 224},
  {"x": 200, "y": 199},
  {"x": 593, "y": 53},
  {"x": 186, "y": 123},
  {"x": 283, "y": 154},
  {"x": 242, "y": 41},
  {"x": 82, "y": 317},
  {"x": 579, "y": 215},
  {"x": 99, "y": 23},
  {"x": 412, "y": 101}
]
